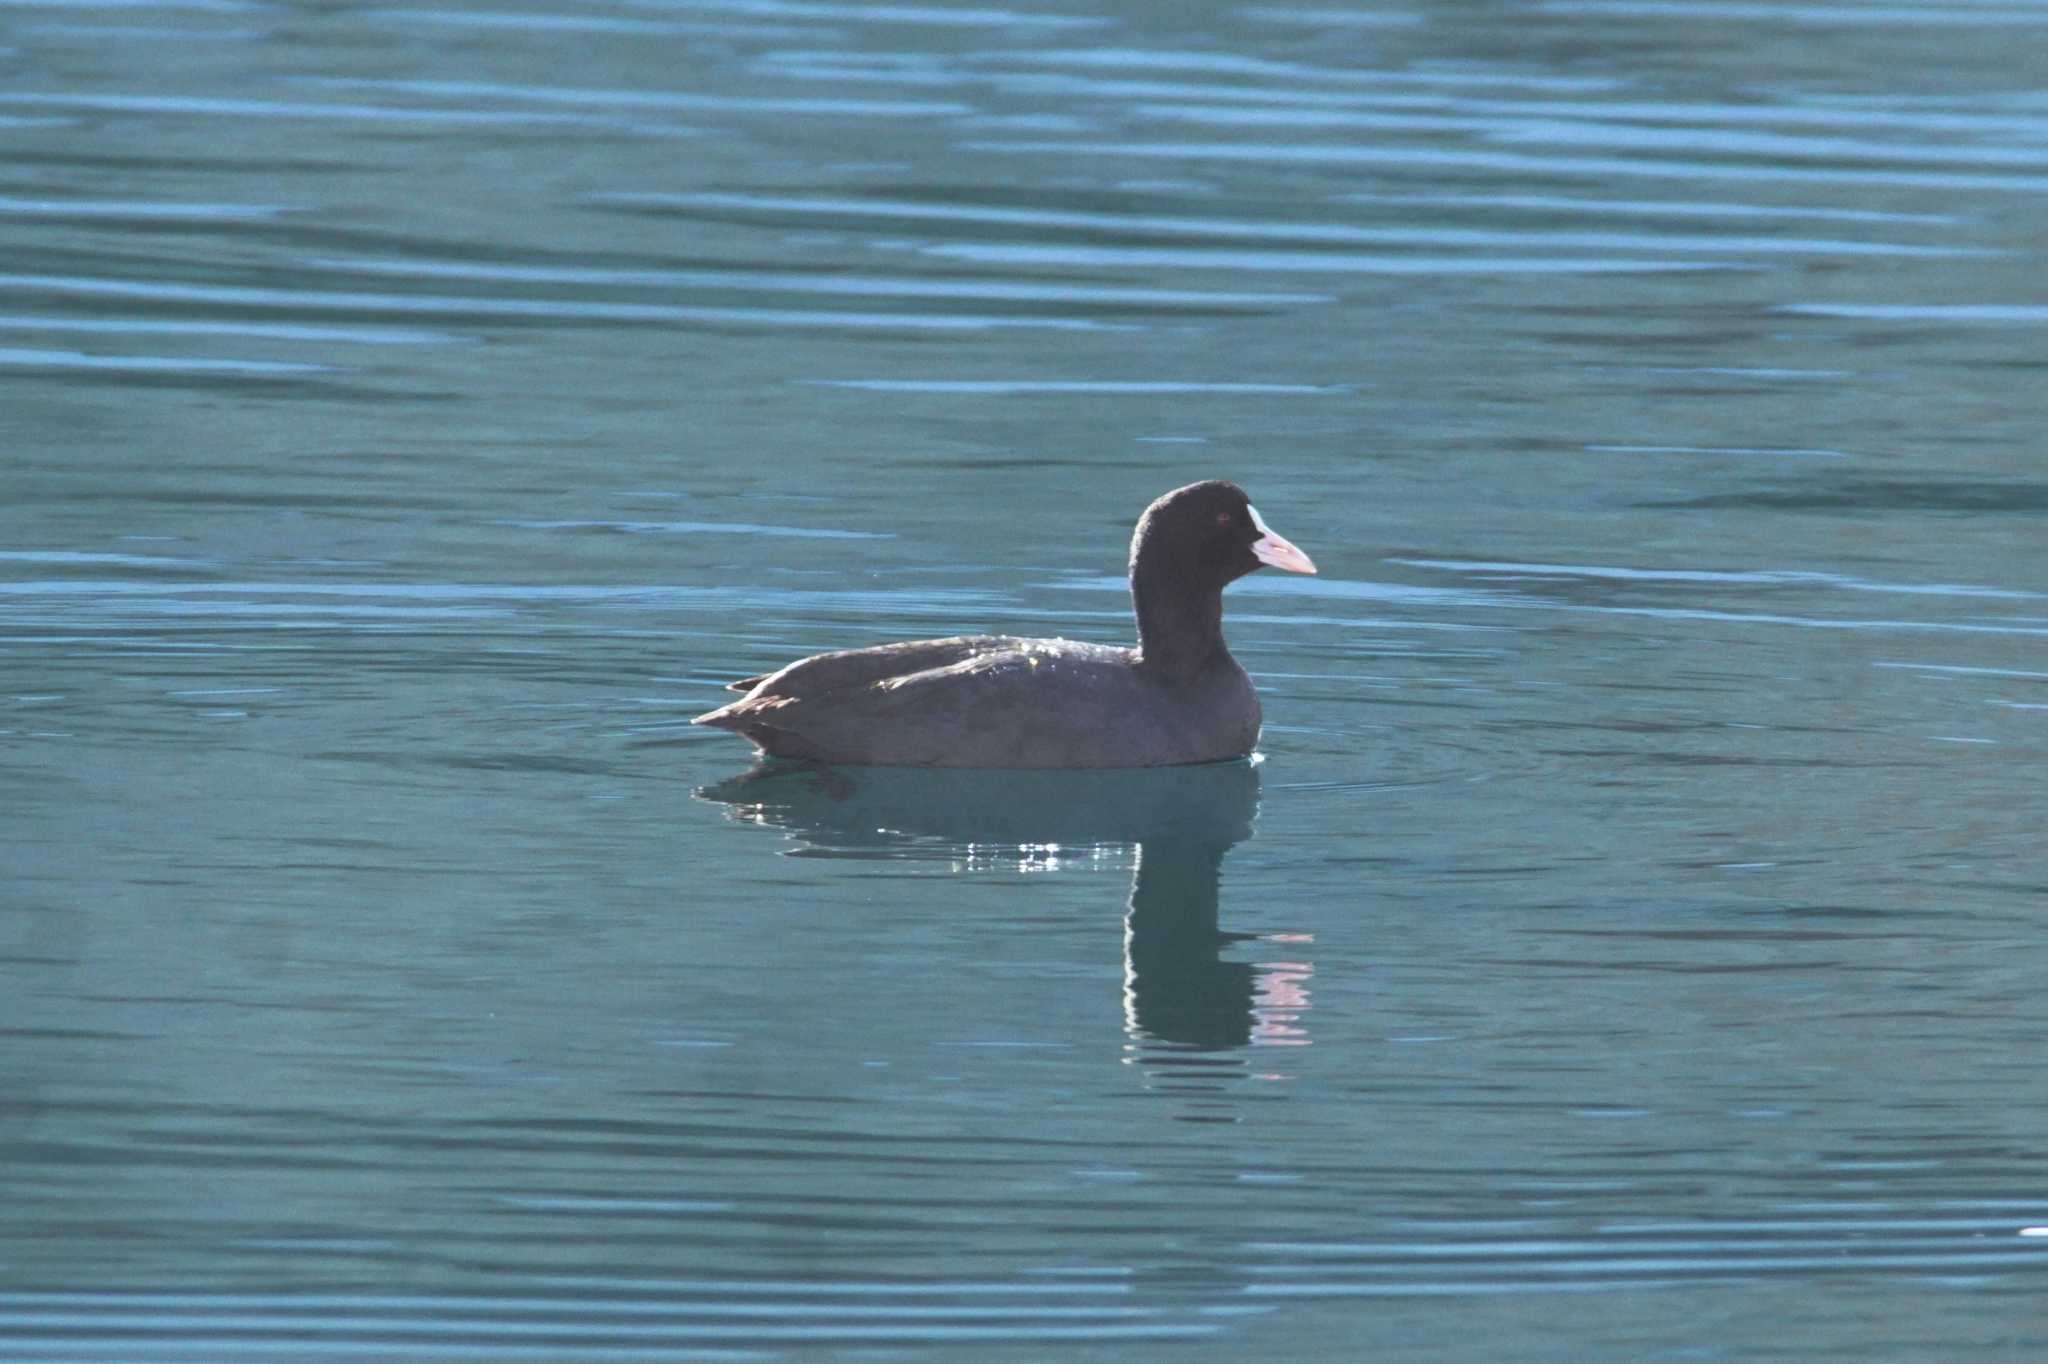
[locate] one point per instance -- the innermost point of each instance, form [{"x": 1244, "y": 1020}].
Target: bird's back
[{"x": 995, "y": 701}]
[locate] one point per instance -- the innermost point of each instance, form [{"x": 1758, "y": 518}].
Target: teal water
[{"x": 1627, "y": 946}]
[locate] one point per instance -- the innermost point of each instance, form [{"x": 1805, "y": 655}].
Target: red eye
[{"x": 1223, "y": 518}]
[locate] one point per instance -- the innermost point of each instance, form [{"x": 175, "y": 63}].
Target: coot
[{"x": 1001, "y": 701}]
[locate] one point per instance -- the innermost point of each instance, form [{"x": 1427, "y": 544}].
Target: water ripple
[
  {"x": 277, "y": 331},
  {"x": 1310, "y": 262},
  {"x": 1995, "y": 313},
  {"x": 818, "y": 282},
  {"x": 802, "y": 208},
  {"x": 1281, "y": 154},
  {"x": 714, "y": 1314},
  {"x": 212, "y": 6},
  {"x": 220, "y": 107},
  {"x": 709, "y": 528},
  {"x": 12, "y": 357},
  {"x": 529, "y": 309},
  {"x": 942, "y": 16},
  {"x": 1009, "y": 387},
  {"x": 1722, "y": 11},
  {"x": 1625, "y": 1257},
  {"x": 581, "y": 23},
  {"x": 649, "y": 99},
  {"x": 1233, "y": 64},
  {"x": 120, "y": 210},
  {"x": 1757, "y": 577}
]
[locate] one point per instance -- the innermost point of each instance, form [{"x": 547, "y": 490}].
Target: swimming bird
[{"x": 996, "y": 701}]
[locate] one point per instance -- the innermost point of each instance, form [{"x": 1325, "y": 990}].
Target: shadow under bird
[{"x": 1003, "y": 701}]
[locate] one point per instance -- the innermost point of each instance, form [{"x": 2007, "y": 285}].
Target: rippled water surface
[{"x": 1629, "y": 947}]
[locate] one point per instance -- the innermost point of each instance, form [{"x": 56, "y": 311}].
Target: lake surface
[{"x": 1628, "y": 947}]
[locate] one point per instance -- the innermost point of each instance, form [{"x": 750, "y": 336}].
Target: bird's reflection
[{"x": 1185, "y": 1006}]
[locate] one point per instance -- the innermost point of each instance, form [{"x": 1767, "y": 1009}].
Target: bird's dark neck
[{"x": 1180, "y": 619}]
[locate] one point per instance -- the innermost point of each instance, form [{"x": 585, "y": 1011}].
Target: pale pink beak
[{"x": 1277, "y": 550}]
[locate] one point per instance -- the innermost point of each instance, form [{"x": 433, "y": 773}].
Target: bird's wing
[{"x": 849, "y": 670}]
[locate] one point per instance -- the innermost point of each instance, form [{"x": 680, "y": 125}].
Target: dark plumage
[{"x": 1001, "y": 701}]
